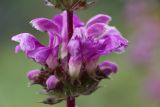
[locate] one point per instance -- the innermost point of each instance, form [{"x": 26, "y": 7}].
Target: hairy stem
[
  {"x": 70, "y": 102},
  {"x": 69, "y": 26},
  {"x": 70, "y": 23}
]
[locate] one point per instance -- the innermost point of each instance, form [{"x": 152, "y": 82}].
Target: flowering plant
[{"x": 70, "y": 65}]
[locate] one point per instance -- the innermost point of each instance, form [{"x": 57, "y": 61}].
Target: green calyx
[
  {"x": 68, "y": 4},
  {"x": 86, "y": 84}
]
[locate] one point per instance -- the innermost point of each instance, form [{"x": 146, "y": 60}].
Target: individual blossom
[
  {"x": 45, "y": 55},
  {"x": 57, "y": 28},
  {"x": 92, "y": 41},
  {"x": 70, "y": 63}
]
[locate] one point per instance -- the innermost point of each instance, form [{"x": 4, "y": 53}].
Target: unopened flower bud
[
  {"x": 33, "y": 74},
  {"x": 52, "y": 82},
  {"x": 108, "y": 67}
]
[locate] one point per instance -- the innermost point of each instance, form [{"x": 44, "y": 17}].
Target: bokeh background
[{"x": 137, "y": 84}]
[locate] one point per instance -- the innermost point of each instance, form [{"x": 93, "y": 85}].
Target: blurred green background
[{"x": 124, "y": 89}]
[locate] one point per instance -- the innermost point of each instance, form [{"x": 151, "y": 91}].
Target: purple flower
[
  {"x": 45, "y": 55},
  {"x": 57, "y": 31},
  {"x": 33, "y": 74},
  {"x": 90, "y": 42},
  {"x": 57, "y": 27},
  {"x": 101, "y": 18},
  {"x": 87, "y": 44},
  {"x": 108, "y": 67},
  {"x": 73, "y": 63},
  {"x": 52, "y": 82}
]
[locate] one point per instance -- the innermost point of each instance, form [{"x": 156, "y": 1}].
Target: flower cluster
[{"x": 70, "y": 65}]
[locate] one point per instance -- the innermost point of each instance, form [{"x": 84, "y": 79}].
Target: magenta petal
[
  {"x": 101, "y": 18},
  {"x": 74, "y": 66},
  {"x": 40, "y": 55},
  {"x": 77, "y": 21},
  {"x": 20, "y": 37},
  {"x": 54, "y": 40},
  {"x": 115, "y": 41},
  {"x": 74, "y": 47},
  {"x": 44, "y": 25},
  {"x": 52, "y": 59},
  {"x": 96, "y": 30},
  {"x": 27, "y": 42},
  {"x": 58, "y": 19},
  {"x": 17, "y": 49},
  {"x": 64, "y": 31},
  {"x": 79, "y": 32}
]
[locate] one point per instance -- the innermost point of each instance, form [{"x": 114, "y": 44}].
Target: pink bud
[
  {"x": 33, "y": 74},
  {"x": 52, "y": 82},
  {"x": 108, "y": 67}
]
